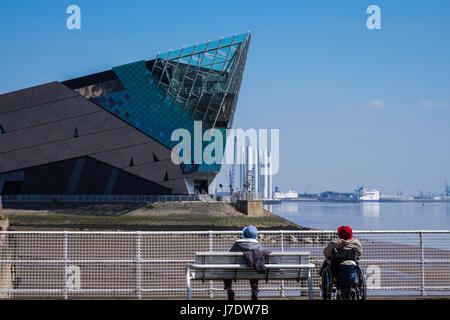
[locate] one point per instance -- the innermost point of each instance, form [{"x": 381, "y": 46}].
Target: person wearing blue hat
[
  {"x": 250, "y": 232},
  {"x": 249, "y": 242}
]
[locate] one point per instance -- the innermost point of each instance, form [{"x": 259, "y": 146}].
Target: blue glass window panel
[
  {"x": 185, "y": 60},
  {"x": 218, "y": 66},
  {"x": 223, "y": 52},
  {"x": 234, "y": 48},
  {"x": 214, "y": 44},
  {"x": 188, "y": 50},
  {"x": 175, "y": 53},
  {"x": 207, "y": 59},
  {"x": 164, "y": 55},
  {"x": 200, "y": 47},
  {"x": 218, "y": 59},
  {"x": 240, "y": 38},
  {"x": 211, "y": 53},
  {"x": 195, "y": 60},
  {"x": 226, "y": 41}
]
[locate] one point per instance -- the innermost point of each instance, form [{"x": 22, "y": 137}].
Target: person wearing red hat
[
  {"x": 345, "y": 241},
  {"x": 341, "y": 256}
]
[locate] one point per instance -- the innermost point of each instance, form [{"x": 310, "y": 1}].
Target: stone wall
[{"x": 252, "y": 208}]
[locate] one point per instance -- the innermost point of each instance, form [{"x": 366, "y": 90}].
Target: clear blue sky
[{"x": 354, "y": 106}]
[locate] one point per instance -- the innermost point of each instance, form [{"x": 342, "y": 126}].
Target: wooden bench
[{"x": 293, "y": 265}]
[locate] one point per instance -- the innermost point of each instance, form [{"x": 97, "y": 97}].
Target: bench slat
[
  {"x": 227, "y": 253},
  {"x": 239, "y": 258},
  {"x": 280, "y": 274},
  {"x": 244, "y": 266}
]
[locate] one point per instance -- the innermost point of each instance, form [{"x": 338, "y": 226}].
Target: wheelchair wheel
[
  {"x": 345, "y": 294},
  {"x": 361, "y": 289},
  {"x": 326, "y": 284}
]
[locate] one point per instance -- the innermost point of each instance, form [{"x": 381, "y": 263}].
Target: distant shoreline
[{"x": 357, "y": 201}]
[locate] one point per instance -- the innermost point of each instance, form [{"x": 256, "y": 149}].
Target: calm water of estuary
[{"x": 366, "y": 216}]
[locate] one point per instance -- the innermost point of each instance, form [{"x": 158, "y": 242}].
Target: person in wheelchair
[{"x": 341, "y": 257}]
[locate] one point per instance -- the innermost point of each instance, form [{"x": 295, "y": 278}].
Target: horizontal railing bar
[
  {"x": 227, "y": 253},
  {"x": 68, "y": 290},
  {"x": 196, "y": 290},
  {"x": 191, "y": 260},
  {"x": 95, "y": 261},
  {"x": 405, "y": 261},
  {"x": 101, "y": 290},
  {"x": 418, "y": 288},
  {"x": 228, "y": 232},
  {"x": 32, "y": 291},
  {"x": 246, "y": 267},
  {"x": 295, "y": 288}
]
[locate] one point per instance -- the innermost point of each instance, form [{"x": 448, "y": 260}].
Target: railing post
[
  {"x": 210, "y": 245},
  {"x": 282, "y": 291},
  {"x": 422, "y": 261},
  {"x": 138, "y": 266},
  {"x": 66, "y": 258}
]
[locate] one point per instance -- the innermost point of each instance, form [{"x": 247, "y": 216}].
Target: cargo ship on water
[
  {"x": 290, "y": 195},
  {"x": 293, "y": 195},
  {"x": 359, "y": 195},
  {"x": 365, "y": 195}
]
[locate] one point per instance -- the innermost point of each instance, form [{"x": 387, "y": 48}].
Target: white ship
[
  {"x": 291, "y": 194},
  {"x": 368, "y": 195}
]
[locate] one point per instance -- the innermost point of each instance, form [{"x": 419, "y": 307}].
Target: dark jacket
[
  {"x": 257, "y": 259},
  {"x": 253, "y": 252},
  {"x": 342, "y": 244},
  {"x": 245, "y": 245}
]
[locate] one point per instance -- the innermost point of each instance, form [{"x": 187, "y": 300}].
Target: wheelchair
[{"x": 342, "y": 278}]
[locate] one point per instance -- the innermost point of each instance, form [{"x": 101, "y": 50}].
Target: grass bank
[{"x": 159, "y": 216}]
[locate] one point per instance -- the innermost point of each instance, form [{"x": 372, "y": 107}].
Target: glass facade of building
[
  {"x": 197, "y": 83},
  {"x": 110, "y": 132}
]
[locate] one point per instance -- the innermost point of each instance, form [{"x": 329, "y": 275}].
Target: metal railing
[
  {"x": 99, "y": 198},
  {"x": 152, "y": 264},
  {"x": 245, "y": 195},
  {"x": 130, "y": 198}
]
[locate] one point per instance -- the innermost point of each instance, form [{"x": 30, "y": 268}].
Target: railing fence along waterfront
[
  {"x": 152, "y": 264},
  {"x": 99, "y": 198},
  {"x": 128, "y": 198}
]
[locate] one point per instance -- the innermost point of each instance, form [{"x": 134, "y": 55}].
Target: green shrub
[
  {"x": 2, "y": 216},
  {"x": 149, "y": 205}
]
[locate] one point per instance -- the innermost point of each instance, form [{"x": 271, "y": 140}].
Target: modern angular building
[{"x": 110, "y": 132}]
